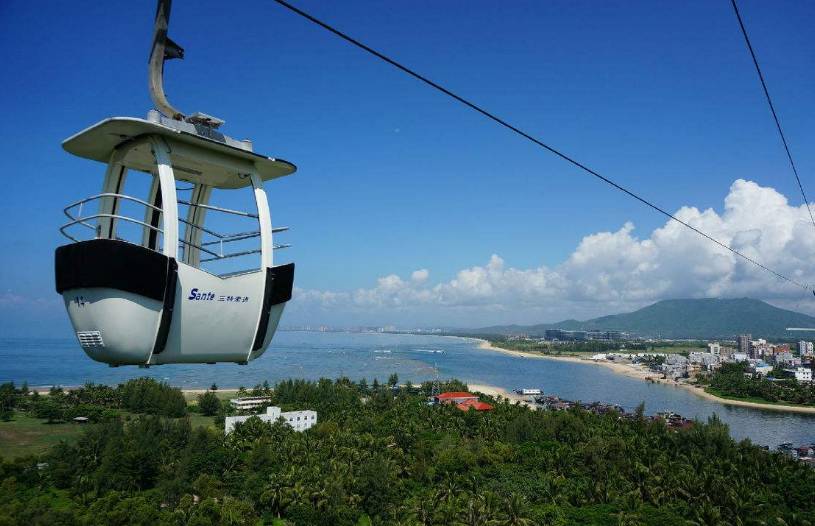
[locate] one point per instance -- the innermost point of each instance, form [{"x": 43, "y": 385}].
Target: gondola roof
[{"x": 203, "y": 154}]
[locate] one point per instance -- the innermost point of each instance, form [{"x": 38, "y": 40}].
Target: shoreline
[
  {"x": 500, "y": 392},
  {"x": 633, "y": 371}
]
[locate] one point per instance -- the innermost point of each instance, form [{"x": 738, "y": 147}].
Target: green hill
[{"x": 684, "y": 318}]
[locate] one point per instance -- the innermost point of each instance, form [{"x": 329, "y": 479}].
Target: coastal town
[
  {"x": 772, "y": 361},
  {"x": 743, "y": 371},
  {"x": 775, "y": 361}
]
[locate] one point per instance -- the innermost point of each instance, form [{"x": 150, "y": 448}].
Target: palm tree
[
  {"x": 491, "y": 503},
  {"x": 424, "y": 510},
  {"x": 447, "y": 493},
  {"x": 628, "y": 518},
  {"x": 276, "y": 498},
  {"x": 319, "y": 498},
  {"x": 475, "y": 514},
  {"x": 515, "y": 509}
]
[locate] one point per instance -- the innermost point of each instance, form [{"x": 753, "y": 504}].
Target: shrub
[
  {"x": 209, "y": 404},
  {"x": 49, "y": 409}
]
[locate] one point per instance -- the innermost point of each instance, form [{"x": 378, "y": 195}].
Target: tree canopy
[{"x": 384, "y": 456}]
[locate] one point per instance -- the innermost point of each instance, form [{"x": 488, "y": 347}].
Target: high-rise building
[
  {"x": 714, "y": 348},
  {"x": 744, "y": 344},
  {"x": 805, "y": 348}
]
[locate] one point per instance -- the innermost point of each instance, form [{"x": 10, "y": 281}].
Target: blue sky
[{"x": 393, "y": 177}]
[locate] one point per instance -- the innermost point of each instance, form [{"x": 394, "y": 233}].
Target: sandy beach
[
  {"x": 636, "y": 371},
  {"x": 631, "y": 370},
  {"x": 202, "y": 391}
]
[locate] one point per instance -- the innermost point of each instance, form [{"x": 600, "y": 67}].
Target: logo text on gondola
[
  {"x": 196, "y": 295},
  {"x": 200, "y": 296}
]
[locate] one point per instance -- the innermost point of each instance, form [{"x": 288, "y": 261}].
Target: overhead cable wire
[
  {"x": 534, "y": 140},
  {"x": 772, "y": 109}
]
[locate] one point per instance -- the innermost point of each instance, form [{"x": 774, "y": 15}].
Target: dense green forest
[
  {"x": 734, "y": 380},
  {"x": 382, "y": 455}
]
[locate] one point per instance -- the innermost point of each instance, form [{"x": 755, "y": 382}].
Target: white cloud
[
  {"x": 611, "y": 271},
  {"x": 420, "y": 276}
]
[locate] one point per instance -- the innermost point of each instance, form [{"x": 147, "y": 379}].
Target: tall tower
[
  {"x": 436, "y": 389},
  {"x": 744, "y": 344}
]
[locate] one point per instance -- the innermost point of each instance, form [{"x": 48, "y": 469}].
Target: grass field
[
  {"x": 26, "y": 435},
  {"x": 197, "y": 420}
]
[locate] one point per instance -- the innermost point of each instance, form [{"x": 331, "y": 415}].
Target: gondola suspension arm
[{"x": 163, "y": 49}]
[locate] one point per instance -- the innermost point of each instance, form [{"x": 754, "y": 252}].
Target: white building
[
  {"x": 249, "y": 402},
  {"x": 298, "y": 420},
  {"x": 803, "y": 374},
  {"x": 714, "y": 348},
  {"x": 806, "y": 348},
  {"x": 762, "y": 368}
]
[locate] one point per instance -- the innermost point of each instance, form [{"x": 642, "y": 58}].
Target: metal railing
[
  {"x": 74, "y": 213},
  {"x": 79, "y": 219}
]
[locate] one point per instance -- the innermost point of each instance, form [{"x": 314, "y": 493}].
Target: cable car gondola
[{"x": 148, "y": 301}]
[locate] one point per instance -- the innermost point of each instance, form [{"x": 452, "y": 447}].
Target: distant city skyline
[{"x": 411, "y": 211}]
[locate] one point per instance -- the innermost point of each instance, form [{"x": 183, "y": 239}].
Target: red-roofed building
[
  {"x": 454, "y": 397},
  {"x": 462, "y": 400},
  {"x": 474, "y": 404}
]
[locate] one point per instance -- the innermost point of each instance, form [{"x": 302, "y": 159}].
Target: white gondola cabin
[{"x": 146, "y": 299}]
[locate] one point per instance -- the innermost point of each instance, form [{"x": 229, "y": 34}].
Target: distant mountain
[{"x": 683, "y": 318}]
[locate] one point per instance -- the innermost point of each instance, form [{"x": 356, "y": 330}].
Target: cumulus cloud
[
  {"x": 420, "y": 276},
  {"x": 613, "y": 271}
]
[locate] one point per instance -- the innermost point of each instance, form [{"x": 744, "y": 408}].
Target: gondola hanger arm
[{"x": 163, "y": 49}]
